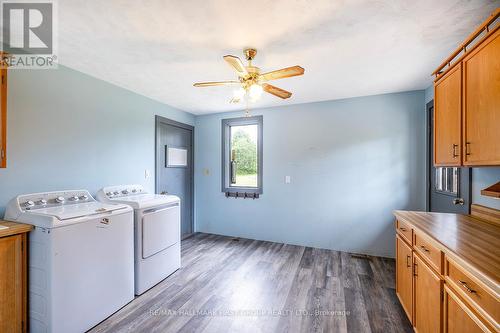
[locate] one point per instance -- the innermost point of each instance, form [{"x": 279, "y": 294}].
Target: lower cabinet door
[
  {"x": 428, "y": 286},
  {"x": 458, "y": 318},
  {"x": 12, "y": 305},
  {"x": 404, "y": 276}
]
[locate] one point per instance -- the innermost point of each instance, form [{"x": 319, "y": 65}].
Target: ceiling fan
[{"x": 251, "y": 82}]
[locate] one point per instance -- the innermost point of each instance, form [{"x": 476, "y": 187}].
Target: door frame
[
  {"x": 429, "y": 159},
  {"x": 165, "y": 121}
]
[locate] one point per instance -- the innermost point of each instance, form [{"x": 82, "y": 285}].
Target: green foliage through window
[{"x": 245, "y": 153}]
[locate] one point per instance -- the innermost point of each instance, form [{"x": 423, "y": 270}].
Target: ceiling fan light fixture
[
  {"x": 239, "y": 93},
  {"x": 255, "y": 91},
  {"x": 252, "y": 83}
]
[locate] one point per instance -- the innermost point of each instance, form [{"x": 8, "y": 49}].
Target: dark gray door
[
  {"x": 449, "y": 189},
  {"x": 174, "y": 166}
]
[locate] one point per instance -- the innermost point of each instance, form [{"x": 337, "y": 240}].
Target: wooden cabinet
[
  {"x": 404, "y": 231},
  {"x": 428, "y": 287},
  {"x": 404, "y": 276},
  {"x": 481, "y": 117},
  {"x": 458, "y": 317},
  {"x": 3, "y": 118},
  {"x": 429, "y": 252},
  {"x": 453, "y": 284},
  {"x": 467, "y": 101},
  {"x": 470, "y": 290},
  {"x": 447, "y": 119},
  {"x": 13, "y": 277}
]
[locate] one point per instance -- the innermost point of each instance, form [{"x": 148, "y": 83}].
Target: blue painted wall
[
  {"x": 481, "y": 177},
  {"x": 351, "y": 163},
  {"x": 429, "y": 94},
  {"x": 68, "y": 130}
]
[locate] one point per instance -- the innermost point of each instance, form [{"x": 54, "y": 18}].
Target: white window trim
[{"x": 226, "y": 142}]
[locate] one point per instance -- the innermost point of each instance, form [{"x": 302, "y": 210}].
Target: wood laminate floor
[{"x": 244, "y": 285}]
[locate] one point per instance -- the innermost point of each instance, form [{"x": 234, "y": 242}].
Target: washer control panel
[{"x": 52, "y": 199}]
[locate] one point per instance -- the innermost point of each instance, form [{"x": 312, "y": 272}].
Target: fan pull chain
[{"x": 247, "y": 111}]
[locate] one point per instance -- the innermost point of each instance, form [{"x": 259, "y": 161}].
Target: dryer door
[{"x": 160, "y": 229}]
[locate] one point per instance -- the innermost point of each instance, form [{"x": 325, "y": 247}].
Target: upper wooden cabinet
[
  {"x": 467, "y": 101},
  {"x": 3, "y": 119},
  {"x": 481, "y": 116},
  {"x": 447, "y": 119}
]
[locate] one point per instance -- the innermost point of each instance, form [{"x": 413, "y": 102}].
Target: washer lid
[
  {"x": 67, "y": 212},
  {"x": 140, "y": 201}
]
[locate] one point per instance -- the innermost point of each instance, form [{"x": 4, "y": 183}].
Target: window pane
[
  {"x": 447, "y": 180},
  {"x": 439, "y": 179},
  {"x": 454, "y": 188},
  {"x": 244, "y": 157}
]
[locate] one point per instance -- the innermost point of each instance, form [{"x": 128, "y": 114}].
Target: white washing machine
[
  {"x": 81, "y": 267},
  {"x": 157, "y": 232}
]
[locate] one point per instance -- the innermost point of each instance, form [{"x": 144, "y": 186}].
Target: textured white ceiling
[{"x": 349, "y": 48}]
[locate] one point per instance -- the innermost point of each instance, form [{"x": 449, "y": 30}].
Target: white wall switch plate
[
  {"x": 287, "y": 179},
  {"x": 147, "y": 174}
]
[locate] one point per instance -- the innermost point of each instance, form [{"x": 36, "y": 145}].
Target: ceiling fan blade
[
  {"x": 220, "y": 83},
  {"x": 282, "y": 73},
  {"x": 236, "y": 63},
  {"x": 276, "y": 91}
]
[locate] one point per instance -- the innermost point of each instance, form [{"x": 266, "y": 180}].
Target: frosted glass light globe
[
  {"x": 255, "y": 92},
  {"x": 239, "y": 93}
]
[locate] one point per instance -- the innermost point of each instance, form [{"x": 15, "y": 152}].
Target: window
[
  {"x": 447, "y": 180},
  {"x": 242, "y": 156}
]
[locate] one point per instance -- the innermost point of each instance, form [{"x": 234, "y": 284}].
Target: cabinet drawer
[
  {"x": 429, "y": 252},
  {"x": 482, "y": 301},
  {"x": 459, "y": 317},
  {"x": 405, "y": 231}
]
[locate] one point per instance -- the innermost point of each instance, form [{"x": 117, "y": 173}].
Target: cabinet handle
[
  {"x": 424, "y": 248},
  {"x": 455, "y": 155},
  {"x": 415, "y": 269},
  {"x": 402, "y": 229},
  {"x": 464, "y": 284},
  {"x": 467, "y": 145},
  {"x": 408, "y": 264}
]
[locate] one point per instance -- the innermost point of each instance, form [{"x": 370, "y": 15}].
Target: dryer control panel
[{"x": 120, "y": 191}]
